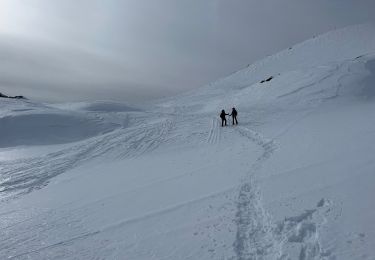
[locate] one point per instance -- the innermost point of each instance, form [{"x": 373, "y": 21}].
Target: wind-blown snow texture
[{"x": 295, "y": 180}]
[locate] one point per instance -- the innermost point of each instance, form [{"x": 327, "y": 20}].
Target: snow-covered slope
[
  {"x": 26, "y": 123},
  {"x": 98, "y": 106},
  {"x": 294, "y": 180}
]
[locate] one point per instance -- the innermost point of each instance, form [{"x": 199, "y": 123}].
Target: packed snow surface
[{"x": 294, "y": 180}]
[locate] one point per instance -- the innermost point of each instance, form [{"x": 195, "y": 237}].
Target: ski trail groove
[{"x": 214, "y": 133}]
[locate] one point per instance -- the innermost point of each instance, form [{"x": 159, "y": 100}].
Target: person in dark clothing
[
  {"x": 223, "y": 119},
  {"x": 234, "y": 116}
]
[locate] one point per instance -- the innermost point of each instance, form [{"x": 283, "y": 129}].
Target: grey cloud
[
  {"x": 140, "y": 49},
  {"x": 39, "y": 70}
]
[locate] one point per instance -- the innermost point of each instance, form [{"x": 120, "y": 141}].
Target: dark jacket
[
  {"x": 234, "y": 112},
  {"x": 223, "y": 114}
]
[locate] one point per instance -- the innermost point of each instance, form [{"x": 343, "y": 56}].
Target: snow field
[{"x": 293, "y": 181}]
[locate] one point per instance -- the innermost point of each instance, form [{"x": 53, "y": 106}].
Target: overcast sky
[{"x": 134, "y": 50}]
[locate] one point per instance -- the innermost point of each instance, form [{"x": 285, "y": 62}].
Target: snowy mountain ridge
[
  {"x": 335, "y": 46},
  {"x": 294, "y": 180}
]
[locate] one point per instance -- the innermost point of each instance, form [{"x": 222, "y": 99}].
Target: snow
[
  {"x": 98, "y": 106},
  {"x": 294, "y": 180},
  {"x": 24, "y": 123}
]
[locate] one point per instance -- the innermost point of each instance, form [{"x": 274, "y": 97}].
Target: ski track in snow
[
  {"x": 24, "y": 175},
  {"x": 214, "y": 132}
]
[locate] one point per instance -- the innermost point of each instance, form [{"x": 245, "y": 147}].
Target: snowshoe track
[
  {"x": 258, "y": 237},
  {"x": 254, "y": 237}
]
